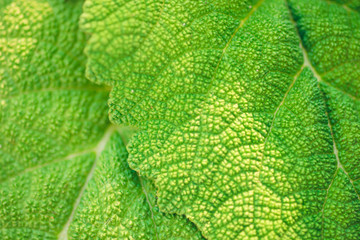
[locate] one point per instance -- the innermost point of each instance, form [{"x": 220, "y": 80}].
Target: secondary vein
[
  {"x": 339, "y": 166},
  {"x": 98, "y": 150}
]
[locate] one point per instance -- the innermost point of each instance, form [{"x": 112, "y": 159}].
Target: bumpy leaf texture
[
  {"x": 53, "y": 131},
  {"x": 118, "y": 204},
  {"x": 248, "y": 111}
]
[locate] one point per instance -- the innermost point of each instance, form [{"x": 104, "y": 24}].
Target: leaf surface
[
  {"x": 241, "y": 108},
  {"x": 53, "y": 130},
  {"x": 51, "y": 117},
  {"x": 338, "y": 73},
  {"x": 119, "y": 204}
]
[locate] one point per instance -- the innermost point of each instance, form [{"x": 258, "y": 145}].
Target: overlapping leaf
[
  {"x": 118, "y": 204},
  {"x": 248, "y": 110},
  {"x": 53, "y": 130}
]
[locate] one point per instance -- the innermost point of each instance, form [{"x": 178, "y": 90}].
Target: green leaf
[
  {"x": 53, "y": 130},
  {"x": 51, "y": 117},
  {"x": 242, "y": 130},
  {"x": 120, "y": 204},
  {"x": 339, "y": 78},
  {"x": 45, "y": 99}
]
